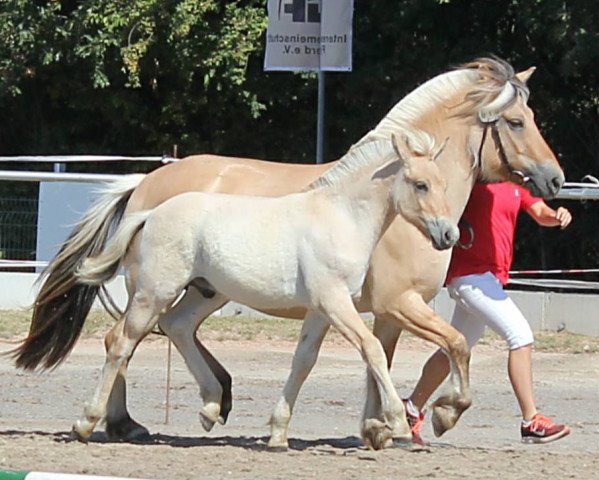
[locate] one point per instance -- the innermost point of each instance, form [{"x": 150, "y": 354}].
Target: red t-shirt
[{"x": 492, "y": 212}]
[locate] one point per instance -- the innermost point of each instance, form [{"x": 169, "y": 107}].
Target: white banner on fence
[{"x": 309, "y": 35}]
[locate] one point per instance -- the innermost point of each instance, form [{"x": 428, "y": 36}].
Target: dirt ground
[{"x": 37, "y": 411}]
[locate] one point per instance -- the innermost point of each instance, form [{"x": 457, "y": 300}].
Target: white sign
[{"x": 309, "y": 35}]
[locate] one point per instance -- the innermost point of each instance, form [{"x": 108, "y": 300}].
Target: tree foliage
[{"x": 137, "y": 76}]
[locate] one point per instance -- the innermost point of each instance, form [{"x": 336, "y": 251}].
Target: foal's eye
[
  {"x": 421, "y": 187},
  {"x": 515, "y": 123}
]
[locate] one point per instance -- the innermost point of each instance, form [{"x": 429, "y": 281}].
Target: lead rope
[{"x": 465, "y": 224}]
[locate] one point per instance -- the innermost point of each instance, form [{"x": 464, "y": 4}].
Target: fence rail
[
  {"x": 18, "y": 216},
  {"x": 18, "y": 228}
]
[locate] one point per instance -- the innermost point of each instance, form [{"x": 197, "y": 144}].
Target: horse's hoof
[
  {"x": 376, "y": 435},
  {"x": 126, "y": 429},
  {"x": 221, "y": 420},
  {"x": 444, "y": 418},
  {"x": 206, "y": 421}
]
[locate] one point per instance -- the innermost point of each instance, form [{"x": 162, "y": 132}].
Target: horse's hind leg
[
  {"x": 223, "y": 377},
  {"x": 180, "y": 324},
  {"x": 313, "y": 332},
  {"x": 119, "y": 424},
  {"x": 139, "y": 321}
]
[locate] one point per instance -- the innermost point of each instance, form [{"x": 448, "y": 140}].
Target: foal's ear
[
  {"x": 524, "y": 75},
  {"x": 440, "y": 149},
  {"x": 389, "y": 169}
]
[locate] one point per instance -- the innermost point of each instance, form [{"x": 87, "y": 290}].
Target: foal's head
[{"x": 418, "y": 192}]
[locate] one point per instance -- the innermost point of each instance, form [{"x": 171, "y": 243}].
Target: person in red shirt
[{"x": 475, "y": 280}]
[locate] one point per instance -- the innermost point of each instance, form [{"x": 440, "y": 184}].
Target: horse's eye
[
  {"x": 515, "y": 123},
  {"x": 421, "y": 187}
]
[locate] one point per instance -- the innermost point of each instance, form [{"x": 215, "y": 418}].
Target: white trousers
[{"x": 481, "y": 301}]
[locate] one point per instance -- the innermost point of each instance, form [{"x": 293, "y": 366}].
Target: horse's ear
[
  {"x": 440, "y": 149},
  {"x": 524, "y": 75},
  {"x": 401, "y": 147}
]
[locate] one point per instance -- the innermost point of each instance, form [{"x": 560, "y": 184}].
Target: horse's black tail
[{"x": 62, "y": 304}]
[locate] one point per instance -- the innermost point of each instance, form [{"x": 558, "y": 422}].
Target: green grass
[
  {"x": 549, "y": 341},
  {"x": 14, "y": 324}
]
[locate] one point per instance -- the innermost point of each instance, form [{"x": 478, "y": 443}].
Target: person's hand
[{"x": 563, "y": 216}]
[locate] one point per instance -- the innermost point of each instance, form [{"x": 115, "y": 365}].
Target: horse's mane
[
  {"x": 487, "y": 78},
  {"x": 372, "y": 155}
]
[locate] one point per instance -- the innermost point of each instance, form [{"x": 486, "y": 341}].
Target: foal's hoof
[
  {"x": 82, "y": 430},
  {"x": 75, "y": 436},
  {"x": 277, "y": 446},
  {"x": 376, "y": 434},
  {"x": 208, "y": 420}
]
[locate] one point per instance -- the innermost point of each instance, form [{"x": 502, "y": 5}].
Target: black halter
[
  {"x": 502, "y": 155},
  {"x": 506, "y": 163}
]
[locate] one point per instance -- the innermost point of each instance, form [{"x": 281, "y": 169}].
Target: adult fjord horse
[{"x": 481, "y": 107}]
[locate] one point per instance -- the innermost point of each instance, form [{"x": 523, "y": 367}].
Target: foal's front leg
[
  {"x": 344, "y": 316},
  {"x": 313, "y": 332},
  {"x": 388, "y": 334}
]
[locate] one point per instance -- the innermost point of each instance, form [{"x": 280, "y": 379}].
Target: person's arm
[{"x": 546, "y": 216}]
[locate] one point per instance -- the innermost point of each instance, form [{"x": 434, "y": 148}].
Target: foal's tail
[
  {"x": 97, "y": 270},
  {"x": 63, "y": 302}
]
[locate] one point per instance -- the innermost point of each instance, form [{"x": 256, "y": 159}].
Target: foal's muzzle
[{"x": 443, "y": 232}]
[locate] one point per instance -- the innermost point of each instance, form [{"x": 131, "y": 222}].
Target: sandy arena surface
[{"x": 37, "y": 411}]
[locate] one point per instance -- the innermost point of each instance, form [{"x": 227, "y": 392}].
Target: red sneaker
[
  {"x": 541, "y": 429},
  {"x": 415, "y": 422}
]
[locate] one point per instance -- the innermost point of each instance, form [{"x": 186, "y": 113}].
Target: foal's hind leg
[
  {"x": 313, "y": 332},
  {"x": 223, "y": 377},
  {"x": 119, "y": 424},
  {"x": 139, "y": 321},
  {"x": 180, "y": 324}
]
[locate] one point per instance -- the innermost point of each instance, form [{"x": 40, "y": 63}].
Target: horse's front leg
[
  {"x": 313, "y": 332},
  {"x": 376, "y": 433},
  {"x": 414, "y": 315}
]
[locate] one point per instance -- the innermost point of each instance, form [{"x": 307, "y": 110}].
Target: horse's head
[
  {"x": 506, "y": 140},
  {"x": 419, "y": 190}
]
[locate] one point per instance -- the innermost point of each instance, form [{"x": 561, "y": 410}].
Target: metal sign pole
[{"x": 320, "y": 118}]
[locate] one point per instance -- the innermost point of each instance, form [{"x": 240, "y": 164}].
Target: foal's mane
[
  {"x": 371, "y": 155},
  {"x": 485, "y": 78}
]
